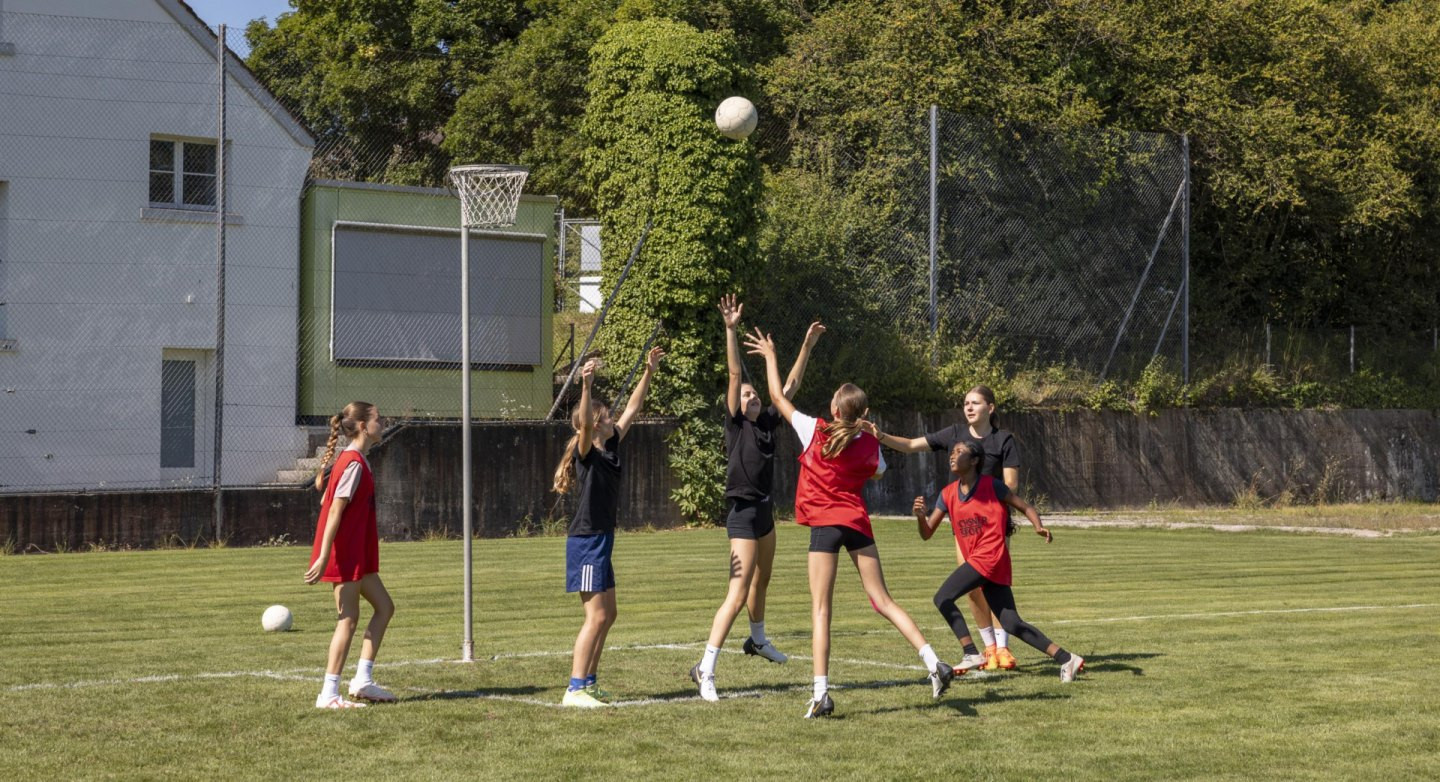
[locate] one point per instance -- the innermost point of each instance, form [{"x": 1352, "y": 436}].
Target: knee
[
  {"x": 346, "y": 622},
  {"x": 1010, "y": 621},
  {"x": 943, "y": 601},
  {"x": 385, "y": 609}
]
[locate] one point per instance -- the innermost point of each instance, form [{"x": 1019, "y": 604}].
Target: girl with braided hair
[
  {"x": 346, "y": 554},
  {"x": 837, "y": 458}
]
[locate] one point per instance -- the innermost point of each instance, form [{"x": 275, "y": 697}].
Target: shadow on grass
[
  {"x": 1117, "y": 663},
  {"x": 966, "y": 702},
  {"x": 488, "y": 692}
]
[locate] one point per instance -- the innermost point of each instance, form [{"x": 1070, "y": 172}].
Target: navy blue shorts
[{"x": 587, "y": 562}]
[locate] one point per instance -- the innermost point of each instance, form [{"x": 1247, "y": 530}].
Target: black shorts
[
  {"x": 830, "y": 540},
  {"x": 750, "y": 519}
]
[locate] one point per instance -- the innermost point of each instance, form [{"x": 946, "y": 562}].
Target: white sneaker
[
  {"x": 336, "y": 702},
  {"x": 580, "y": 699},
  {"x": 1070, "y": 670},
  {"x": 706, "y": 683},
  {"x": 370, "y": 691},
  {"x": 940, "y": 679},
  {"x": 766, "y": 650},
  {"x": 972, "y": 662}
]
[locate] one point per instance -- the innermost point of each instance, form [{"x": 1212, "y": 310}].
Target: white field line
[{"x": 311, "y": 674}]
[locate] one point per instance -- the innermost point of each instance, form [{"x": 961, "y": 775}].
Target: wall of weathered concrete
[{"x": 1072, "y": 460}]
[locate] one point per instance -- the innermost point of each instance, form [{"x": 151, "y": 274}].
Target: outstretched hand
[
  {"x": 866, "y": 425},
  {"x": 1044, "y": 533},
  {"x": 730, "y": 310},
  {"x": 653, "y": 360},
  {"x": 587, "y": 372},
  {"x": 760, "y": 344},
  {"x": 812, "y": 334}
]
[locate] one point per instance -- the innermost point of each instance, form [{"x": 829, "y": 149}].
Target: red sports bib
[{"x": 979, "y": 523}]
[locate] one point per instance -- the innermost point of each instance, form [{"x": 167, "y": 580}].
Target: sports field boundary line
[{"x": 1081, "y": 521}]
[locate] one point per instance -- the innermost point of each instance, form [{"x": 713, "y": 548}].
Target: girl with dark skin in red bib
[{"x": 977, "y": 506}]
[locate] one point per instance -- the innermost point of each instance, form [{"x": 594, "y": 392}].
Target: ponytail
[
  {"x": 565, "y": 471},
  {"x": 850, "y": 405},
  {"x": 349, "y": 421}
]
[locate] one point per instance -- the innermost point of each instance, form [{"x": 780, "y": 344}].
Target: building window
[{"x": 182, "y": 174}]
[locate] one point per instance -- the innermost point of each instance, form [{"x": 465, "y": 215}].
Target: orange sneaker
[
  {"x": 991, "y": 663},
  {"x": 1005, "y": 658}
]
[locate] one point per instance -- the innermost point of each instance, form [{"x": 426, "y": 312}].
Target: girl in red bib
[
  {"x": 836, "y": 461},
  {"x": 346, "y": 554},
  {"x": 978, "y": 509}
]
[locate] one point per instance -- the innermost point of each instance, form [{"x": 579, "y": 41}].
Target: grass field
[{"x": 1209, "y": 656}]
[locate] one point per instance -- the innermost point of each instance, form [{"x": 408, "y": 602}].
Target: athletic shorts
[
  {"x": 587, "y": 562},
  {"x": 831, "y": 539},
  {"x": 750, "y": 519}
]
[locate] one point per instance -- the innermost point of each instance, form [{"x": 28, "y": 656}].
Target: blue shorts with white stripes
[{"x": 587, "y": 562}]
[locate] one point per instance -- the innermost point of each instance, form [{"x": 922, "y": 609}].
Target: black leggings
[{"x": 1002, "y": 605}]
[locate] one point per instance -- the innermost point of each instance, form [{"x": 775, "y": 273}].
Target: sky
[{"x": 236, "y": 14}]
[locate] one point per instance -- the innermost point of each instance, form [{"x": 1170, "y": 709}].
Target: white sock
[
  {"x": 989, "y": 636},
  {"x": 707, "y": 663},
  {"x": 928, "y": 655},
  {"x": 822, "y": 686},
  {"x": 332, "y": 686},
  {"x": 1002, "y": 638},
  {"x": 757, "y": 633},
  {"x": 364, "y": 673}
]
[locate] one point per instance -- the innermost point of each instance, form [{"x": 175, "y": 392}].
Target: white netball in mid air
[{"x": 736, "y": 117}]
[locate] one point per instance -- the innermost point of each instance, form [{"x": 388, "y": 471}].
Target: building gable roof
[{"x": 236, "y": 69}]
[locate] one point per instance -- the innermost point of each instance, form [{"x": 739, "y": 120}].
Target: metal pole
[
  {"x": 1185, "y": 262},
  {"x": 467, "y": 649},
  {"x": 604, "y": 310},
  {"x": 934, "y": 225},
  {"x": 1145, "y": 276},
  {"x": 1267, "y": 343},
  {"x": 560, "y": 263},
  {"x": 218, "y": 444},
  {"x": 1352, "y": 350}
]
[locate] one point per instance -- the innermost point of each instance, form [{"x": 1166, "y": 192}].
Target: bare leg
[
  {"x": 742, "y": 573},
  {"x": 822, "y": 567},
  {"x": 347, "y": 610},
  {"x": 383, "y": 607},
  {"x": 867, "y": 561},
  {"x": 593, "y": 603},
  {"x": 609, "y": 612},
  {"x": 764, "y": 560}
]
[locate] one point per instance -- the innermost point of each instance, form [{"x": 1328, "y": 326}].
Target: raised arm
[
  {"x": 797, "y": 372},
  {"x": 637, "y": 397},
  {"x": 587, "y": 418},
  {"x": 730, "y": 311},
  {"x": 902, "y": 444},
  {"x": 761, "y": 344},
  {"x": 1014, "y": 501},
  {"x": 926, "y": 523}
]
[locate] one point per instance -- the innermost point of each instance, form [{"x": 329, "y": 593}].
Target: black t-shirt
[
  {"x": 750, "y": 454},
  {"x": 598, "y": 474},
  {"x": 999, "y": 447}
]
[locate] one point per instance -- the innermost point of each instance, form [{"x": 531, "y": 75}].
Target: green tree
[{"x": 653, "y": 152}]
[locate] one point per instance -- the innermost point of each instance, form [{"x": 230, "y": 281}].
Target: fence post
[
  {"x": 1185, "y": 262},
  {"x": 934, "y": 228},
  {"x": 1267, "y": 344},
  {"x": 218, "y": 446},
  {"x": 1352, "y": 349}
]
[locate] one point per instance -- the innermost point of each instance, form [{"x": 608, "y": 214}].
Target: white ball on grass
[
  {"x": 736, "y": 117},
  {"x": 276, "y": 619}
]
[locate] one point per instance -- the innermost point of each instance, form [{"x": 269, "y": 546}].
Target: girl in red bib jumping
[
  {"x": 837, "y": 459},
  {"x": 347, "y": 555},
  {"x": 978, "y": 509}
]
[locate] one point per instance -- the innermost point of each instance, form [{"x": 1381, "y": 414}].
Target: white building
[{"x": 108, "y": 252}]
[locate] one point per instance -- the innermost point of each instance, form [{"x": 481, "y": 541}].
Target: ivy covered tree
[{"x": 652, "y": 152}]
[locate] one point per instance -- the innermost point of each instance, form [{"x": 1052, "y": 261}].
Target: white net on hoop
[{"x": 489, "y": 194}]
